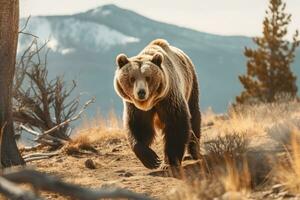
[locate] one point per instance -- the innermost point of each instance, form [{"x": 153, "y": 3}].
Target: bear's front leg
[
  {"x": 177, "y": 130},
  {"x": 140, "y": 131}
]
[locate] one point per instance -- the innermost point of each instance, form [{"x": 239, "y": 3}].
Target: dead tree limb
[
  {"x": 43, "y": 107},
  {"x": 12, "y": 191},
  {"x": 36, "y": 158},
  {"x": 30, "y": 131},
  {"x": 45, "y": 137},
  {"x": 22, "y": 31},
  {"x": 40, "y": 156},
  {"x": 48, "y": 183},
  {"x": 42, "y": 137},
  {"x": 30, "y": 148},
  {"x": 71, "y": 119}
]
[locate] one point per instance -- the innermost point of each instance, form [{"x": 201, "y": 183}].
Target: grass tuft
[
  {"x": 230, "y": 146},
  {"x": 287, "y": 172}
]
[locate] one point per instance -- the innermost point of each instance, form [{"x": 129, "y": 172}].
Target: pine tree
[{"x": 268, "y": 67}]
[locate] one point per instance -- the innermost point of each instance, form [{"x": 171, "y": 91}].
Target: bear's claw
[{"x": 147, "y": 156}]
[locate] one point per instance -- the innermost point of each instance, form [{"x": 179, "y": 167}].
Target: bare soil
[{"x": 115, "y": 166}]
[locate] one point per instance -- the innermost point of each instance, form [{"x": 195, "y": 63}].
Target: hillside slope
[{"x": 84, "y": 47}]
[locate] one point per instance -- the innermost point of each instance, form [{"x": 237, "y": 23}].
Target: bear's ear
[
  {"x": 157, "y": 59},
  {"x": 122, "y": 60}
]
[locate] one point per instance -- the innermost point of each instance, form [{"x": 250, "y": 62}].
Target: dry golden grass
[
  {"x": 80, "y": 142},
  {"x": 227, "y": 183},
  {"x": 226, "y": 175},
  {"x": 287, "y": 172},
  {"x": 95, "y": 131},
  {"x": 227, "y": 141},
  {"x": 259, "y": 124},
  {"x": 235, "y": 179},
  {"x": 231, "y": 145},
  {"x": 261, "y": 129}
]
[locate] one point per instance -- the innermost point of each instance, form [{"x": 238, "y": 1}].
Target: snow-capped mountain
[
  {"x": 84, "y": 46},
  {"x": 70, "y": 34}
]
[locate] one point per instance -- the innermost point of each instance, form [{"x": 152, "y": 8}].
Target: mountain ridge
[{"x": 85, "y": 48}]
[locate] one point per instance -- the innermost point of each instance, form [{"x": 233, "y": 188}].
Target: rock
[
  {"x": 89, "y": 163},
  {"x": 126, "y": 174}
]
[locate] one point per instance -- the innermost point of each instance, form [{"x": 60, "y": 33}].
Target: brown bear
[{"x": 159, "y": 86}]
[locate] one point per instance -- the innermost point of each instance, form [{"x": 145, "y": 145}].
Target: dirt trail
[{"x": 115, "y": 165}]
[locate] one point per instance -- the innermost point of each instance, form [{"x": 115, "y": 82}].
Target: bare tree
[
  {"x": 9, "y": 21},
  {"x": 43, "y": 107}
]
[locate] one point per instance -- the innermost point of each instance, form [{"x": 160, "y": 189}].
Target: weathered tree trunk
[{"x": 9, "y": 23}]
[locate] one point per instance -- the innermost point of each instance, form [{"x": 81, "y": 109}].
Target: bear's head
[{"x": 140, "y": 80}]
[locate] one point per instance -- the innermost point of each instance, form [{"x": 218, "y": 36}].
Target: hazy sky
[{"x": 227, "y": 17}]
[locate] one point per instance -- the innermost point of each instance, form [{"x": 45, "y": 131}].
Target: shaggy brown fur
[{"x": 159, "y": 88}]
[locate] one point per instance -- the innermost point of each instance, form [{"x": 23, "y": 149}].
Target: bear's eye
[
  {"x": 132, "y": 79},
  {"x": 147, "y": 78}
]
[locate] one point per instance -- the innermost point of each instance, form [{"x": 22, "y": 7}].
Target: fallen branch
[
  {"x": 39, "y": 156},
  {"x": 46, "y": 138},
  {"x": 31, "y": 148},
  {"x": 30, "y": 131},
  {"x": 36, "y": 158},
  {"x": 42, "y": 137},
  {"x": 51, "y": 184},
  {"x": 12, "y": 191}
]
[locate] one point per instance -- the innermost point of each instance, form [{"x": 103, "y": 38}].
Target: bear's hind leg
[{"x": 194, "y": 142}]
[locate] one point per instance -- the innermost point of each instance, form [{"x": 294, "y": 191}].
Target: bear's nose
[{"x": 141, "y": 94}]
